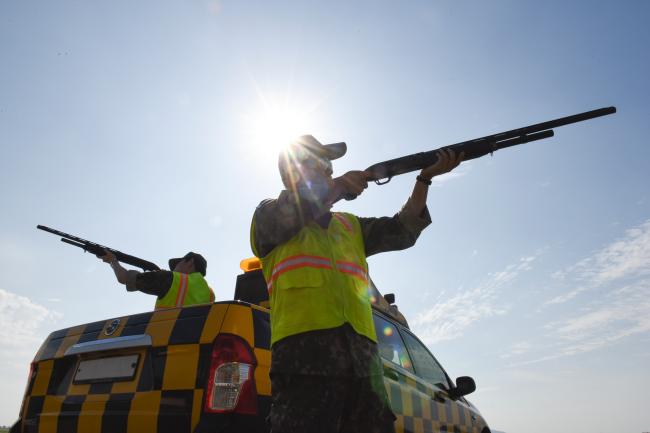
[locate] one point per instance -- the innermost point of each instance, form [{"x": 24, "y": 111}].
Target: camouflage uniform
[
  {"x": 329, "y": 380},
  {"x": 152, "y": 283},
  {"x": 277, "y": 221}
]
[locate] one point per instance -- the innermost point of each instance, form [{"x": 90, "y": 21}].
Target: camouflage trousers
[
  {"x": 328, "y": 381},
  {"x": 318, "y": 404}
]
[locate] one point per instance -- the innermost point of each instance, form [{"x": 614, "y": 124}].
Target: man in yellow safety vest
[
  {"x": 326, "y": 373},
  {"x": 184, "y": 284}
]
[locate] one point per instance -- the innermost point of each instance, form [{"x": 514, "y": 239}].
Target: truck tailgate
[{"x": 137, "y": 373}]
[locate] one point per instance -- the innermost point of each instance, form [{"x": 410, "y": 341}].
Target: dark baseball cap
[
  {"x": 200, "y": 264},
  {"x": 307, "y": 146}
]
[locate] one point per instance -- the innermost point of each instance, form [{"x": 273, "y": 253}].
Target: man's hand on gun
[
  {"x": 108, "y": 257},
  {"x": 447, "y": 161},
  {"x": 120, "y": 272},
  {"x": 351, "y": 184},
  {"x": 354, "y": 182}
]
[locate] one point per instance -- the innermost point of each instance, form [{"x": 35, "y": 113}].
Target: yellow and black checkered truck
[{"x": 205, "y": 368}]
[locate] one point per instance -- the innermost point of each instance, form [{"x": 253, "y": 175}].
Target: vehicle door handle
[{"x": 439, "y": 397}]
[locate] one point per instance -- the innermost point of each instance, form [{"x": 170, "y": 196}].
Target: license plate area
[{"x": 111, "y": 369}]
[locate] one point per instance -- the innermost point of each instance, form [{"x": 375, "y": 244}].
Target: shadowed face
[
  {"x": 312, "y": 179},
  {"x": 307, "y": 173},
  {"x": 313, "y": 169},
  {"x": 185, "y": 266}
]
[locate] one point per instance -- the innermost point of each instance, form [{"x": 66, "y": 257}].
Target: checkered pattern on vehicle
[
  {"x": 168, "y": 391},
  {"x": 166, "y": 395},
  {"x": 420, "y": 410}
]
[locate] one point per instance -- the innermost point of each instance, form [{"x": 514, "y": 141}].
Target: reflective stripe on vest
[
  {"x": 182, "y": 291},
  {"x": 297, "y": 262},
  {"x": 186, "y": 290},
  {"x": 302, "y": 261},
  {"x": 353, "y": 269},
  {"x": 318, "y": 279},
  {"x": 343, "y": 221}
]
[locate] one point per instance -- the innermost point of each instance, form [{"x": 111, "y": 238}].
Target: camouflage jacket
[
  {"x": 155, "y": 283},
  {"x": 277, "y": 221}
]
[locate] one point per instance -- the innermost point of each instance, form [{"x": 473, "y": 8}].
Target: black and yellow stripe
[
  {"x": 423, "y": 408},
  {"x": 167, "y": 392}
]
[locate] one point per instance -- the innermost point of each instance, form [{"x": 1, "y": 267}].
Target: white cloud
[
  {"x": 20, "y": 319},
  {"x": 24, "y": 325},
  {"x": 624, "y": 259},
  {"x": 621, "y": 314},
  {"x": 518, "y": 349},
  {"x": 560, "y": 299},
  {"x": 628, "y": 257},
  {"x": 618, "y": 280},
  {"x": 450, "y": 318},
  {"x": 625, "y": 312}
]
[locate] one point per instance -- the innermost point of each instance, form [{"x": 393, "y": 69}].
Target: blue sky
[{"x": 144, "y": 126}]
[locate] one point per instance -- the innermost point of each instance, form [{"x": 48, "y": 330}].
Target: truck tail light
[{"x": 231, "y": 384}]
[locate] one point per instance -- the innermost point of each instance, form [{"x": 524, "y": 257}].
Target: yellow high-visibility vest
[
  {"x": 186, "y": 289},
  {"x": 319, "y": 280}
]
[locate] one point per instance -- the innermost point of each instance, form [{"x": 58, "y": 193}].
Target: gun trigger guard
[{"x": 379, "y": 182}]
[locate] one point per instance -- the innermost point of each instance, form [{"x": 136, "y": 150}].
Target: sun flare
[{"x": 275, "y": 126}]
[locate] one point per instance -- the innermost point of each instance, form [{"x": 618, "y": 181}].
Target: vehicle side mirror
[
  {"x": 390, "y": 298},
  {"x": 464, "y": 385}
]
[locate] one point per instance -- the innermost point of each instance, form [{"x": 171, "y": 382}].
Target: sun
[{"x": 273, "y": 126}]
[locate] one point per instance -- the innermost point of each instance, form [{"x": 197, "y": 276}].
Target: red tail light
[{"x": 231, "y": 383}]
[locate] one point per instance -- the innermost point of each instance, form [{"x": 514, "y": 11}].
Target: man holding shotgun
[
  {"x": 326, "y": 373},
  {"x": 183, "y": 285}
]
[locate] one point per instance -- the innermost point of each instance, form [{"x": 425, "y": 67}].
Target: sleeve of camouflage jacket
[
  {"x": 394, "y": 233},
  {"x": 152, "y": 283},
  {"x": 277, "y": 221}
]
